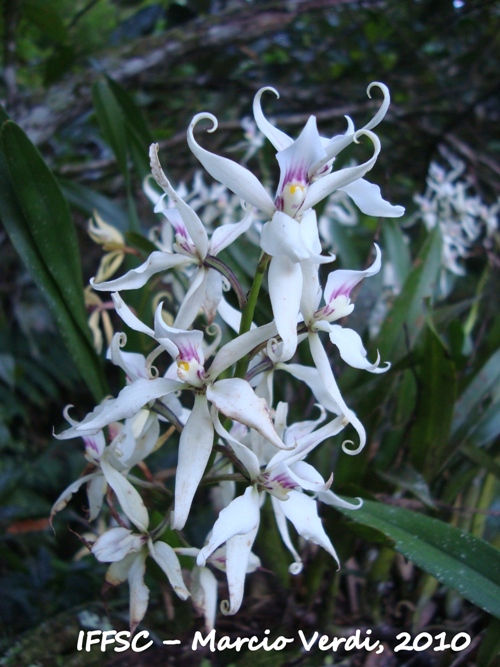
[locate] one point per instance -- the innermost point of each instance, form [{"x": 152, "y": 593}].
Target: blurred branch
[{"x": 68, "y": 100}]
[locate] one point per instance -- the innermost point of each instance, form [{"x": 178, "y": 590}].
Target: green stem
[{"x": 249, "y": 311}]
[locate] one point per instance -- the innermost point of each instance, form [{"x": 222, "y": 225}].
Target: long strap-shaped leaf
[
  {"x": 37, "y": 220},
  {"x": 456, "y": 558}
]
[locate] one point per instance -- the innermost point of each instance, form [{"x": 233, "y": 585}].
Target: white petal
[
  {"x": 139, "y": 592},
  {"x": 240, "y": 517},
  {"x": 339, "y": 179},
  {"x": 167, "y": 559},
  {"x": 118, "y": 571},
  {"x": 235, "y": 177},
  {"x": 186, "y": 345},
  {"x": 204, "y": 594},
  {"x": 238, "y": 550},
  {"x": 310, "y": 375},
  {"x": 128, "y": 497},
  {"x": 307, "y": 477},
  {"x": 96, "y": 489},
  {"x": 239, "y": 347},
  {"x": 132, "y": 363},
  {"x": 68, "y": 493},
  {"x": 115, "y": 544},
  {"x": 285, "y": 289},
  {"x": 193, "y": 299},
  {"x": 236, "y": 399},
  {"x": 302, "y": 511},
  {"x": 351, "y": 348},
  {"x": 368, "y": 199},
  {"x": 342, "y": 281},
  {"x": 282, "y": 237},
  {"x": 190, "y": 218},
  {"x": 279, "y": 139},
  {"x": 330, "y": 498},
  {"x": 243, "y": 453},
  {"x": 226, "y": 234},
  {"x": 296, "y": 566},
  {"x": 323, "y": 365},
  {"x": 128, "y": 316},
  {"x": 135, "y": 278},
  {"x": 128, "y": 402},
  {"x": 195, "y": 447}
]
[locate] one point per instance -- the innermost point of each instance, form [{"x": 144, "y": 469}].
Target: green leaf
[
  {"x": 407, "y": 316},
  {"x": 396, "y": 250},
  {"x": 456, "y": 558},
  {"x": 490, "y": 646},
  {"x": 28, "y": 213},
  {"x": 436, "y": 391},
  {"x": 47, "y": 215},
  {"x": 469, "y": 405},
  {"x": 86, "y": 200}
]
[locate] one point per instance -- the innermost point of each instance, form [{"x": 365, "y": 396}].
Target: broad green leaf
[
  {"x": 19, "y": 222},
  {"x": 47, "y": 216},
  {"x": 484, "y": 383},
  {"x": 407, "y": 316},
  {"x": 456, "y": 558},
  {"x": 436, "y": 389},
  {"x": 132, "y": 113}
]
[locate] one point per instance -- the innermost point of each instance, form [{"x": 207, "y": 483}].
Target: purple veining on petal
[
  {"x": 92, "y": 448},
  {"x": 187, "y": 352}
]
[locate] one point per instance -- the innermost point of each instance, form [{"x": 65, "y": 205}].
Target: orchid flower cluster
[
  {"x": 220, "y": 396},
  {"x": 463, "y": 218}
]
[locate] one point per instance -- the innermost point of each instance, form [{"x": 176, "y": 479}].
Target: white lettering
[
  {"x": 138, "y": 649},
  {"x": 198, "y": 638},
  {"x": 308, "y": 645}
]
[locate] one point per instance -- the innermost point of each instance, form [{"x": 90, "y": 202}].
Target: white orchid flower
[
  {"x": 192, "y": 247},
  {"x": 127, "y": 553},
  {"x": 132, "y": 442},
  {"x": 285, "y": 478},
  {"x": 291, "y": 235},
  {"x": 234, "y": 397}
]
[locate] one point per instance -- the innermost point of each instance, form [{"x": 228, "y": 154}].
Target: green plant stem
[{"x": 249, "y": 311}]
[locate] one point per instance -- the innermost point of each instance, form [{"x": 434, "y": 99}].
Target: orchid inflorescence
[{"x": 232, "y": 430}]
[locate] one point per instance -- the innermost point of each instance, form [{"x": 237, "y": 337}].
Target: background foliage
[{"x": 92, "y": 83}]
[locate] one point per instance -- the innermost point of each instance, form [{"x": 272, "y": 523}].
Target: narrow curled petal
[
  {"x": 238, "y": 549},
  {"x": 194, "y": 299},
  {"x": 296, "y": 566},
  {"x": 302, "y": 511},
  {"x": 186, "y": 345},
  {"x": 279, "y": 139},
  {"x": 307, "y": 443},
  {"x": 235, "y": 177},
  {"x": 195, "y": 447},
  {"x": 236, "y": 399},
  {"x": 352, "y": 350},
  {"x": 129, "y": 499},
  {"x": 167, "y": 559},
  {"x": 135, "y": 278},
  {"x": 132, "y": 363},
  {"x": 330, "y": 498},
  {"x": 190, "y": 218},
  {"x": 128, "y": 316},
  {"x": 115, "y": 544},
  {"x": 310, "y": 375},
  {"x": 369, "y": 200},
  {"x": 240, "y": 517},
  {"x": 322, "y": 363}
]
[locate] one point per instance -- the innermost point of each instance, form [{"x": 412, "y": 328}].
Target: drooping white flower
[{"x": 127, "y": 553}]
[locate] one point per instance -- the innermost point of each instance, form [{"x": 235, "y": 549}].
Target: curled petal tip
[
  {"x": 263, "y": 90},
  {"x": 204, "y": 115},
  {"x": 295, "y": 568},
  {"x": 352, "y": 452}
]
